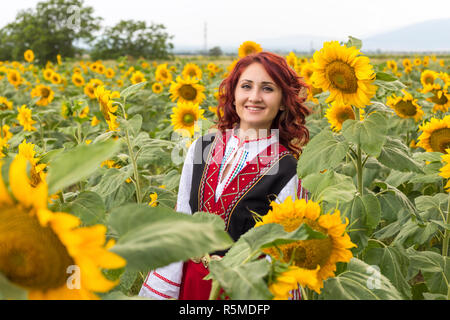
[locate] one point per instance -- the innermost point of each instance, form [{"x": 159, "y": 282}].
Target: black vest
[{"x": 257, "y": 199}]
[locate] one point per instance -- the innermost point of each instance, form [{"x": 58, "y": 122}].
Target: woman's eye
[
  {"x": 269, "y": 89},
  {"x": 245, "y": 86}
]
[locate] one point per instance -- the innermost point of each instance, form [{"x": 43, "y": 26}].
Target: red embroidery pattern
[
  {"x": 165, "y": 279},
  {"x": 157, "y": 292},
  {"x": 244, "y": 180}
]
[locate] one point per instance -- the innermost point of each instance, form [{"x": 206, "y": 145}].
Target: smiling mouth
[{"x": 254, "y": 108}]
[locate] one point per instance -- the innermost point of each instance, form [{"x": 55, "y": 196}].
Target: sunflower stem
[
  {"x": 359, "y": 165},
  {"x": 447, "y": 233},
  {"x": 215, "y": 290},
  {"x": 304, "y": 293},
  {"x": 132, "y": 156}
]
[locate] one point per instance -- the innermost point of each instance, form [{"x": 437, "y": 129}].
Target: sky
[{"x": 230, "y": 22}]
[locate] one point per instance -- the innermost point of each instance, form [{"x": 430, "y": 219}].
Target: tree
[
  {"x": 133, "y": 38},
  {"x": 52, "y": 28},
  {"x": 215, "y": 52}
]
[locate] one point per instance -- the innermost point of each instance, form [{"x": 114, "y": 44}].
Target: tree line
[{"x": 69, "y": 27}]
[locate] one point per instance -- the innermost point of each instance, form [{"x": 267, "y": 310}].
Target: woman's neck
[{"x": 251, "y": 133}]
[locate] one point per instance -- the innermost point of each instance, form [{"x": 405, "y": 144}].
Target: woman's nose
[{"x": 255, "y": 96}]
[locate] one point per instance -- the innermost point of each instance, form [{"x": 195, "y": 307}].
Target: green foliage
[
  {"x": 133, "y": 38},
  {"x": 52, "y": 28}
]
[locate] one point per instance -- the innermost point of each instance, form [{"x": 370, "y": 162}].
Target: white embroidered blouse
[{"x": 164, "y": 283}]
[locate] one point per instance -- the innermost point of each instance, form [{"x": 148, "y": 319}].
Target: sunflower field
[{"x": 91, "y": 157}]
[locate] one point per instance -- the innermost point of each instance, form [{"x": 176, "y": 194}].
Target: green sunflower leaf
[
  {"x": 77, "y": 164},
  {"x": 360, "y": 281},
  {"x": 127, "y": 92},
  {"x": 434, "y": 267},
  {"x": 243, "y": 282},
  {"x": 393, "y": 263},
  {"x": 330, "y": 186},
  {"x": 369, "y": 133},
  {"x": 324, "y": 151},
  {"x": 152, "y": 237},
  {"x": 395, "y": 155}
]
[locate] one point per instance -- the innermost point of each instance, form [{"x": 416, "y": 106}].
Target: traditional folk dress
[{"x": 262, "y": 170}]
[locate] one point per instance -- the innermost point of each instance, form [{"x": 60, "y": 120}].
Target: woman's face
[{"x": 257, "y": 98}]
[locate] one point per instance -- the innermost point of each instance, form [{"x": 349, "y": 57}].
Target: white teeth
[{"x": 254, "y": 109}]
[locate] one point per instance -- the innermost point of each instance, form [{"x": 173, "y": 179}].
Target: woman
[{"x": 250, "y": 161}]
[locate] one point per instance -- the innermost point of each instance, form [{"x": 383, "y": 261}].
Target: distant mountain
[{"x": 432, "y": 35}]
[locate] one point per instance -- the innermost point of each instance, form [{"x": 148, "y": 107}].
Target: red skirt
[{"x": 193, "y": 287}]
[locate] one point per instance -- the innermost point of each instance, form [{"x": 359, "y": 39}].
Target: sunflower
[
  {"x": 392, "y": 65},
  {"x": 104, "y": 97},
  {"x": 5, "y": 104},
  {"x": 192, "y": 70},
  {"x": 307, "y": 72},
  {"x": 37, "y": 173},
  {"x": 101, "y": 68},
  {"x": 187, "y": 90},
  {"x": 417, "y": 62},
  {"x": 77, "y": 79},
  {"x": 137, "y": 77},
  {"x": 39, "y": 248},
  {"x": 14, "y": 77},
  {"x": 56, "y": 78},
  {"x": 4, "y": 138},
  {"x": 407, "y": 63},
  {"x": 185, "y": 117},
  {"x": 406, "y": 106},
  {"x": 94, "y": 121},
  {"x": 315, "y": 254},
  {"x": 445, "y": 170},
  {"x": 247, "y": 48},
  {"x": 427, "y": 77},
  {"x": 162, "y": 74},
  {"x": 288, "y": 280},
  {"x": 337, "y": 114},
  {"x": 440, "y": 98},
  {"x": 29, "y": 55},
  {"x": 157, "y": 88},
  {"x": 345, "y": 73},
  {"x": 25, "y": 119},
  {"x": 89, "y": 89},
  {"x": 109, "y": 73},
  {"x": 435, "y": 135},
  {"x": 45, "y": 93},
  {"x": 153, "y": 200},
  {"x": 291, "y": 59},
  {"x": 48, "y": 74}
]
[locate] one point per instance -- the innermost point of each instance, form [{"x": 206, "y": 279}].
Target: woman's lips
[{"x": 254, "y": 108}]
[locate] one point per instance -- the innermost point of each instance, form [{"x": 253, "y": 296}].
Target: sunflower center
[
  {"x": 406, "y": 108},
  {"x": 307, "y": 253},
  {"x": 440, "y": 140},
  {"x": 164, "y": 74},
  {"x": 45, "y": 92},
  {"x": 442, "y": 100},
  {"x": 429, "y": 79},
  {"x": 345, "y": 115},
  {"x": 31, "y": 256},
  {"x": 188, "y": 92},
  {"x": 342, "y": 77},
  {"x": 188, "y": 119}
]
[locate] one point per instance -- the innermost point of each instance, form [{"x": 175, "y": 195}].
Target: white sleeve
[
  {"x": 290, "y": 189},
  {"x": 184, "y": 188},
  {"x": 164, "y": 283}
]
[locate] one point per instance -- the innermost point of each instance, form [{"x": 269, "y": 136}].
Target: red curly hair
[{"x": 293, "y": 133}]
